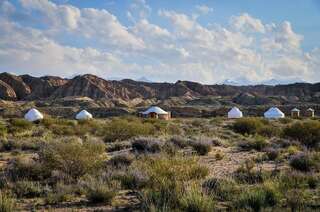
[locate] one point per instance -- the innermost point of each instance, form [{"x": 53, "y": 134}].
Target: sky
[{"x": 207, "y": 41}]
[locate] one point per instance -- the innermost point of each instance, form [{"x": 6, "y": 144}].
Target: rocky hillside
[{"x": 26, "y": 87}]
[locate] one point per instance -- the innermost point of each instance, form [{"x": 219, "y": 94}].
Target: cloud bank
[{"x": 43, "y": 38}]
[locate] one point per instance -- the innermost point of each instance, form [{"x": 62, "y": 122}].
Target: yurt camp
[
  {"x": 157, "y": 113},
  {"x": 235, "y": 113},
  {"x": 274, "y": 113},
  {"x": 33, "y": 115},
  {"x": 84, "y": 115},
  {"x": 295, "y": 113}
]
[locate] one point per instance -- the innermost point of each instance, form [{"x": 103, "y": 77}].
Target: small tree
[{"x": 73, "y": 158}]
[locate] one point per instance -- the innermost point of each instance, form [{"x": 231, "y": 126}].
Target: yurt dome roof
[
  {"x": 155, "y": 109},
  {"x": 295, "y": 110},
  {"x": 33, "y": 115},
  {"x": 84, "y": 115},
  {"x": 235, "y": 113},
  {"x": 274, "y": 112}
]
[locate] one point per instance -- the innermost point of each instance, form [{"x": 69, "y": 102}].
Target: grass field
[{"x": 152, "y": 165}]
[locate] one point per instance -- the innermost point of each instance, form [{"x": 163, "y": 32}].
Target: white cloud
[
  {"x": 247, "y": 23},
  {"x": 87, "y": 40},
  {"x": 204, "y": 9}
]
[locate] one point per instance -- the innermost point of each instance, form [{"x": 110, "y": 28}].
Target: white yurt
[
  {"x": 235, "y": 113},
  {"x": 33, "y": 115},
  {"x": 156, "y": 112},
  {"x": 274, "y": 113},
  {"x": 84, "y": 115}
]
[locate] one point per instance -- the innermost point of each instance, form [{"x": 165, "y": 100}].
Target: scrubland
[{"x": 132, "y": 164}]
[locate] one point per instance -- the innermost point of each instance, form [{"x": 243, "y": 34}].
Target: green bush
[
  {"x": 73, "y": 157},
  {"x": 308, "y": 132},
  {"x": 7, "y": 204},
  {"x": 247, "y": 126},
  {"x": 120, "y": 130}
]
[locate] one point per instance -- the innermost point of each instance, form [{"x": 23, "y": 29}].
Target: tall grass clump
[
  {"x": 7, "y": 204},
  {"x": 195, "y": 200},
  {"x": 167, "y": 179},
  {"x": 257, "y": 198},
  {"x": 120, "y": 130},
  {"x": 308, "y": 133},
  {"x": 201, "y": 145},
  {"x": 98, "y": 190}
]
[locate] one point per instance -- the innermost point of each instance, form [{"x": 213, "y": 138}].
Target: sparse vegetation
[{"x": 153, "y": 165}]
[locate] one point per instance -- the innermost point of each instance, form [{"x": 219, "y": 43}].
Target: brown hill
[{"x": 26, "y": 87}]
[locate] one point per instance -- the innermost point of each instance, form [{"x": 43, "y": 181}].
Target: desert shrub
[
  {"x": 257, "y": 198},
  {"x": 272, "y": 153},
  {"x": 19, "y": 169},
  {"x": 99, "y": 191},
  {"x": 257, "y": 143},
  {"x": 303, "y": 162},
  {"x": 246, "y": 173},
  {"x": 180, "y": 141},
  {"x": 269, "y": 131},
  {"x": 121, "y": 160},
  {"x": 293, "y": 150},
  {"x": 194, "y": 200},
  {"x": 312, "y": 181},
  {"x": 28, "y": 189},
  {"x": 61, "y": 193},
  {"x": 247, "y": 126},
  {"x": 296, "y": 199},
  {"x": 221, "y": 189},
  {"x": 3, "y": 130},
  {"x": 119, "y": 130},
  {"x": 219, "y": 155},
  {"x": 201, "y": 146},
  {"x": 132, "y": 179},
  {"x": 117, "y": 146},
  {"x": 308, "y": 132},
  {"x": 146, "y": 145},
  {"x": 73, "y": 157},
  {"x": 295, "y": 180},
  {"x": 19, "y": 126},
  {"x": 7, "y": 204}
]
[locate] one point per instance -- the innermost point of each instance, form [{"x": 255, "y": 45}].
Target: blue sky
[
  {"x": 197, "y": 40},
  {"x": 304, "y": 15}
]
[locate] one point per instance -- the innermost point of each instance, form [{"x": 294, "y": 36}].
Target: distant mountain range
[
  {"x": 243, "y": 81},
  {"x": 26, "y": 87}
]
